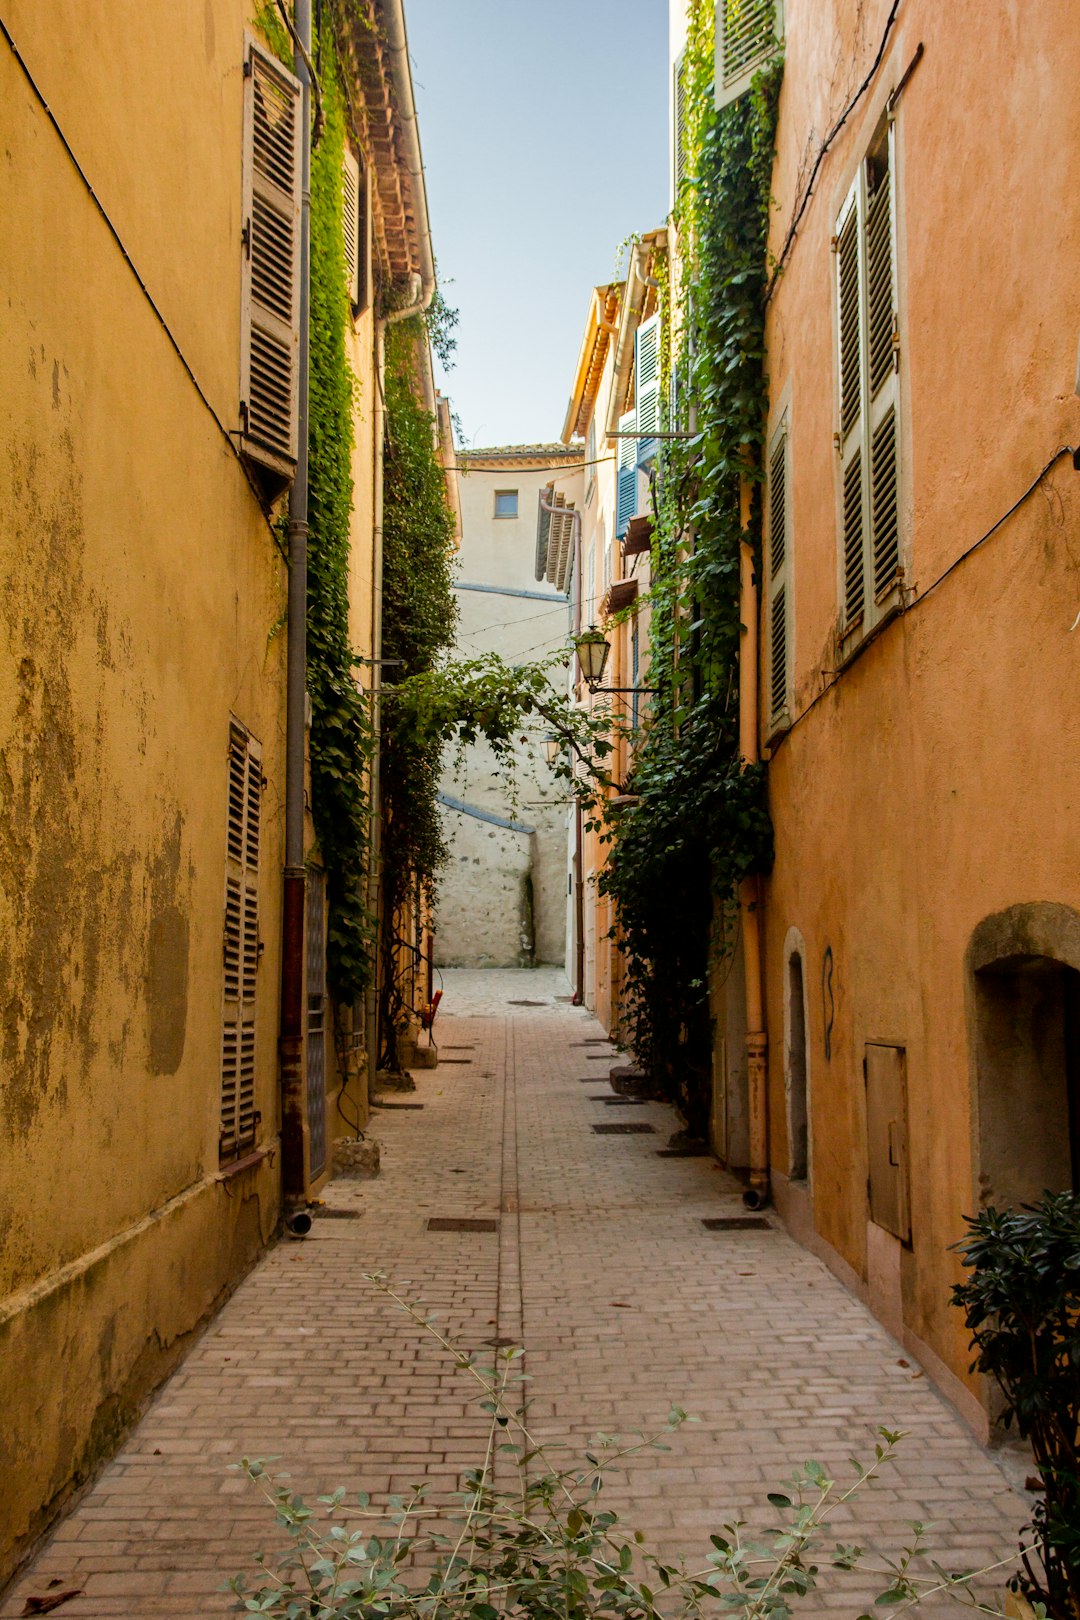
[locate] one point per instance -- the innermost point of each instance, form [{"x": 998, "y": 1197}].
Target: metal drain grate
[
  {"x": 459, "y": 1223},
  {"x": 624, "y": 1128},
  {"x": 337, "y": 1214},
  {"x": 737, "y": 1223},
  {"x": 619, "y": 1102},
  {"x": 459, "y": 1048},
  {"x": 592, "y": 1040},
  {"x": 456, "y": 1060},
  {"x": 375, "y": 1103},
  {"x": 526, "y": 1003}
]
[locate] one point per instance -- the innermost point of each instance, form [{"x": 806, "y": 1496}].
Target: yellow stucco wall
[
  {"x": 931, "y": 785},
  {"x": 141, "y": 595}
]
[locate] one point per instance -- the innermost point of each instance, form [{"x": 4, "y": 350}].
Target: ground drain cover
[
  {"x": 624, "y": 1128},
  {"x": 737, "y": 1223},
  {"x": 599, "y": 1057},
  {"x": 526, "y": 1003},
  {"x": 700, "y": 1152},
  {"x": 457, "y": 1223},
  {"x": 337, "y": 1214},
  {"x": 592, "y": 1040},
  {"x": 591, "y": 1080},
  {"x": 455, "y": 1060},
  {"x": 459, "y": 1048},
  {"x": 375, "y": 1103}
]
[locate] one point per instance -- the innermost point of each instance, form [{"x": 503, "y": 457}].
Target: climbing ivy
[{"x": 699, "y": 808}]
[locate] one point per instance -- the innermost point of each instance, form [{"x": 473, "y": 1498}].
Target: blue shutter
[
  {"x": 647, "y": 387},
  {"x": 626, "y": 477}
]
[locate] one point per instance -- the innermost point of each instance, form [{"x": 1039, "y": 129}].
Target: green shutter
[{"x": 626, "y": 476}]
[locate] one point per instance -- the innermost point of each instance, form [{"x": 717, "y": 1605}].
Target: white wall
[{"x": 481, "y": 919}]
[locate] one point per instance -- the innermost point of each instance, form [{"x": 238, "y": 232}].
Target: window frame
[{"x": 501, "y": 494}]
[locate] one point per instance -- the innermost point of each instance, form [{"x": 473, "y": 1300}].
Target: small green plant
[
  {"x": 1022, "y": 1305},
  {"x": 546, "y": 1548}
]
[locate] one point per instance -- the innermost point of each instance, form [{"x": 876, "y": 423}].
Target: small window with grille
[
  {"x": 240, "y": 944},
  {"x": 868, "y": 362}
]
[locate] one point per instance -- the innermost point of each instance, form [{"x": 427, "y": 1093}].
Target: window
[
  {"x": 778, "y": 592},
  {"x": 590, "y": 459},
  {"x": 748, "y": 33},
  {"x": 867, "y": 364},
  {"x": 355, "y": 213},
  {"x": 506, "y": 503},
  {"x": 240, "y": 947},
  {"x": 270, "y": 290}
]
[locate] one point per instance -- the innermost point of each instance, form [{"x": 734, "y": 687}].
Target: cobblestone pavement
[{"x": 600, "y": 1266}]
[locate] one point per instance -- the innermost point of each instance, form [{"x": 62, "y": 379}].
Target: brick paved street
[{"x": 624, "y": 1301}]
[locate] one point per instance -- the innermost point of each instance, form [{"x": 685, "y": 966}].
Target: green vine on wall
[{"x": 699, "y": 809}]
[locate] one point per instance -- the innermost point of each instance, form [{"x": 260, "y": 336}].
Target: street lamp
[
  {"x": 592, "y": 649},
  {"x": 553, "y": 744}
]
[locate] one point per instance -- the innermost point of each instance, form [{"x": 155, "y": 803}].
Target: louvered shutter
[
  {"x": 240, "y": 944},
  {"x": 678, "y": 123},
  {"x": 748, "y": 33},
  {"x": 350, "y": 220},
  {"x": 850, "y": 369},
  {"x": 626, "y": 474},
  {"x": 271, "y": 276},
  {"x": 647, "y": 387},
  {"x": 778, "y": 581},
  {"x": 882, "y": 361},
  {"x": 869, "y": 395}
]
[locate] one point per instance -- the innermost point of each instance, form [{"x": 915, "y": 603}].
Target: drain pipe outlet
[{"x": 298, "y": 1223}]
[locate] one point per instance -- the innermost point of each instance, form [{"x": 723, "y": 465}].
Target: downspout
[
  {"x": 291, "y": 1028},
  {"x": 397, "y": 47},
  {"x": 757, "y": 1194}
]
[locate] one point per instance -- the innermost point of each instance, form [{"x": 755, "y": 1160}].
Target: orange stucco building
[{"x": 920, "y": 670}]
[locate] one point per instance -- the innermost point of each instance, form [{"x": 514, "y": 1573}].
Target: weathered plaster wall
[
  {"x": 482, "y": 919},
  {"x": 140, "y": 595},
  {"x": 931, "y": 785}
]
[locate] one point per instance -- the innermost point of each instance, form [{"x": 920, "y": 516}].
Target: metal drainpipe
[
  {"x": 290, "y": 1045},
  {"x": 757, "y": 1074}
]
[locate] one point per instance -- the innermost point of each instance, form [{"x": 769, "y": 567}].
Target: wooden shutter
[
  {"x": 240, "y": 950},
  {"x": 882, "y": 362},
  {"x": 647, "y": 387},
  {"x": 868, "y": 363},
  {"x": 626, "y": 474},
  {"x": 850, "y": 370},
  {"x": 778, "y": 577},
  {"x": 748, "y": 33},
  {"x": 270, "y": 307},
  {"x": 350, "y": 220},
  {"x": 678, "y": 122}
]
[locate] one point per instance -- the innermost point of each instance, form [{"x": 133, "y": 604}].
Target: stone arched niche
[{"x": 1023, "y": 974}]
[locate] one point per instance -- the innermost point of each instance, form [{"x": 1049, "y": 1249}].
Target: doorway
[{"x": 1026, "y": 1005}]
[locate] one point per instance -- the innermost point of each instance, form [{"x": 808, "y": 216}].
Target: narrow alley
[{"x": 599, "y": 1264}]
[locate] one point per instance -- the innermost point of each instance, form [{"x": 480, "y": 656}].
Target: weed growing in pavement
[{"x": 547, "y": 1549}]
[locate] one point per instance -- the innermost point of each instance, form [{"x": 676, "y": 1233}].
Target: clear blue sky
[{"x": 544, "y": 132}]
